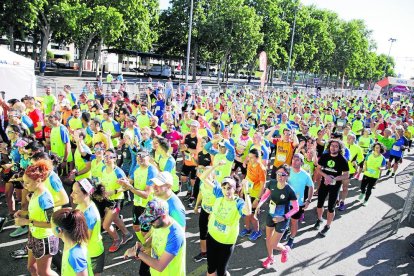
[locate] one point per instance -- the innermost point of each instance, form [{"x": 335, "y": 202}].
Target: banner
[{"x": 263, "y": 67}]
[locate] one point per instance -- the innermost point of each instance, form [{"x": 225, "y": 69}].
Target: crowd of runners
[{"x": 73, "y": 161}]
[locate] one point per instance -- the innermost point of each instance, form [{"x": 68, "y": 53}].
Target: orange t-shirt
[
  {"x": 257, "y": 176},
  {"x": 284, "y": 152}
]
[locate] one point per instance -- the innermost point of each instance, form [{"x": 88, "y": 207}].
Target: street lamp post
[
  {"x": 190, "y": 26},
  {"x": 391, "y": 40},
  {"x": 291, "y": 45}
]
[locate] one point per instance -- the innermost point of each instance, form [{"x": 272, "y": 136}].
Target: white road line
[
  {"x": 112, "y": 265},
  {"x": 6, "y": 244}
]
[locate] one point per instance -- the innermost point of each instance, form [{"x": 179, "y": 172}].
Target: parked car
[{"x": 163, "y": 71}]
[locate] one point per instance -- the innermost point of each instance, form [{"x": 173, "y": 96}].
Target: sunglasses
[
  {"x": 154, "y": 220},
  {"x": 142, "y": 155},
  {"x": 110, "y": 157},
  {"x": 99, "y": 149},
  {"x": 282, "y": 174}
]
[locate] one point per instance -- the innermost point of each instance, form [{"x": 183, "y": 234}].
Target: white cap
[
  {"x": 162, "y": 179},
  {"x": 86, "y": 185}
]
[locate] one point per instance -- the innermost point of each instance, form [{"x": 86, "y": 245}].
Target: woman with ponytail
[
  {"x": 81, "y": 195},
  {"x": 70, "y": 226},
  {"x": 42, "y": 243}
]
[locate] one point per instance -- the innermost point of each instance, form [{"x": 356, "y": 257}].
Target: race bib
[
  {"x": 340, "y": 124},
  {"x": 396, "y": 148},
  {"x": 208, "y": 209},
  {"x": 219, "y": 226},
  {"x": 281, "y": 157},
  {"x": 272, "y": 207},
  {"x": 187, "y": 156},
  {"x": 371, "y": 171}
]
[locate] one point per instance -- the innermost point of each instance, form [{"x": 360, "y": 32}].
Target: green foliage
[{"x": 50, "y": 54}]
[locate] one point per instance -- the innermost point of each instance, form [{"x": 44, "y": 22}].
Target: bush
[{"x": 50, "y": 54}]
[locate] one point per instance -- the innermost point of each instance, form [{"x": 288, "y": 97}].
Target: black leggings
[
  {"x": 367, "y": 184},
  {"x": 196, "y": 188},
  {"x": 218, "y": 256},
  {"x": 333, "y": 191},
  {"x": 203, "y": 224}
]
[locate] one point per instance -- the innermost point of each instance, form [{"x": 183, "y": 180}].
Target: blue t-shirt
[
  {"x": 175, "y": 239},
  {"x": 77, "y": 259},
  {"x": 176, "y": 209},
  {"x": 397, "y": 147},
  {"x": 298, "y": 182}
]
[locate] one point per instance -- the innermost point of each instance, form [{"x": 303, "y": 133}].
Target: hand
[
  {"x": 19, "y": 221},
  {"x": 329, "y": 179},
  {"x": 256, "y": 214},
  {"x": 255, "y": 203},
  {"x": 131, "y": 252},
  {"x": 306, "y": 205},
  {"x": 278, "y": 219},
  {"x": 18, "y": 214},
  {"x": 196, "y": 210},
  {"x": 245, "y": 185}
]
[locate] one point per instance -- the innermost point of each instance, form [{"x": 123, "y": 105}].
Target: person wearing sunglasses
[
  {"x": 167, "y": 254},
  {"x": 110, "y": 176},
  {"x": 223, "y": 222},
  {"x": 282, "y": 197}
]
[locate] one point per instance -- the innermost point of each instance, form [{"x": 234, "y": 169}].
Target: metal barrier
[{"x": 408, "y": 210}]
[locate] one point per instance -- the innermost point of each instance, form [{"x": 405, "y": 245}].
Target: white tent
[{"x": 17, "y": 75}]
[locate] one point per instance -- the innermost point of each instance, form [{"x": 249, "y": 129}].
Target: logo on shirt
[
  {"x": 331, "y": 163},
  {"x": 282, "y": 196}
]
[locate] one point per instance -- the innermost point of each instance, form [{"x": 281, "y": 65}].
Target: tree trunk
[
  {"x": 98, "y": 59},
  {"x": 85, "y": 49},
  {"x": 271, "y": 74},
  {"x": 343, "y": 80},
  {"x": 45, "y": 43},
  {"x": 11, "y": 39},
  {"x": 337, "y": 80}
]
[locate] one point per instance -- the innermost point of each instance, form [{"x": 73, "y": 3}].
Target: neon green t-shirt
[
  {"x": 142, "y": 178},
  {"x": 373, "y": 164}
]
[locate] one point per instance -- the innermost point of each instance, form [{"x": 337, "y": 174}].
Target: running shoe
[
  {"x": 3, "y": 221},
  {"x": 342, "y": 206},
  {"x": 285, "y": 254},
  {"x": 393, "y": 174},
  {"x": 19, "y": 254},
  {"x": 302, "y": 217},
  {"x": 365, "y": 203},
  {"x": 324, "y": 231},
  {"x": 115, "y": 246},
  {"x": 318, "y": 224},
  {"x": 200, "y": 257},
  {"x": 361, "y": 197},
  {"x": 244, "y": 232},
  {"x": 126, "y": 238},
  {"x": 255, "y": 235},
  {"x": 19, "y": 232},
  {"x": 290, "y": 243},
  {"x": 388, "y": 172},
  {"x": 268, "y": 262}
]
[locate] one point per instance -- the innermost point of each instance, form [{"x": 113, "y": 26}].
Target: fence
[{"x": 408, "y": 209}]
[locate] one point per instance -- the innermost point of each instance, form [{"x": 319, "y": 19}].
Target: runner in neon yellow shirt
[
  {"x": 374, "y": 163},
  {"x": 168, "y": 246},
  {"x": 81, "y": 195},
  {"x": 70, "y": 225}
]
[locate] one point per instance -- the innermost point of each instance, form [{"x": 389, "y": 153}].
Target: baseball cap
[
  {"x": 195, "y": 123},
  {"x": 132, "y": 118},
  {"x": 162, "y": 179},
  {"x": 86, "y": 185},
  {"x": 222, "y": 143},
  {"x": 154, "y": 210},
  {"x": 300, "y": 156},
  {"x": 246, "y": 127}
]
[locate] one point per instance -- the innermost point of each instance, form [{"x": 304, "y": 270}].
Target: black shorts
[
  {"x": 396, "y": 158},
  {"x": 237, "y": 165},
  {"x": 43, "y": 247},
  {"x": 189, "y": 171},
  {"x": 136, "y": 212},
  {"x": 17, "y": 185},
  {"x": 252, "y": 199},
  {"x": 299, "y": 213},
  {"x": 280, "y": 227},
  {"x": 98, "y": 263}
]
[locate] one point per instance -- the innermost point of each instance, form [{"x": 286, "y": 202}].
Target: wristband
[{"x": 116, "y": 191}]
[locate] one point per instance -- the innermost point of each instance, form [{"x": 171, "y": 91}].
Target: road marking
[
  {"x": 112, "y": 265},
  {"x": 201, "y": 270},
  {"x": 6, "y": 244}
]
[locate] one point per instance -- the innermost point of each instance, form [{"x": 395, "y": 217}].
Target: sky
[{"x": 387, "y": 19}]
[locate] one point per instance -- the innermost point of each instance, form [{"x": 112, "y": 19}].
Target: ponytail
[{"x": 73, "y": 223}]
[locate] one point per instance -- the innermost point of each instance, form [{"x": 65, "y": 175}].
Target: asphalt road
[{"x": 360, "y": 241}]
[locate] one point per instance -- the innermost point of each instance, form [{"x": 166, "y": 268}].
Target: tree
[
  {"x": 87, "y": 22},
  {"x": 17, "y": 18}
]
